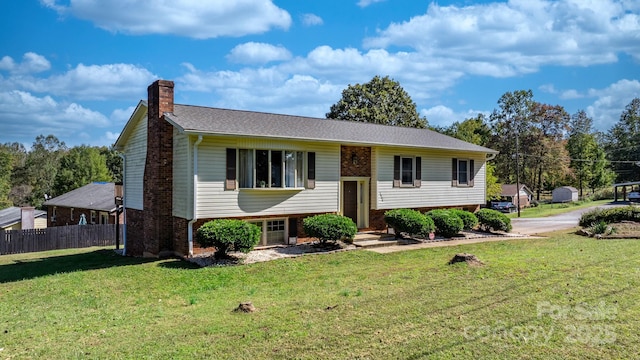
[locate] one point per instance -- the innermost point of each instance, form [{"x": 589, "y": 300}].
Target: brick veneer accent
[
  {"x": 158, "y": 173},
  {"x": 363, "y": 165}
]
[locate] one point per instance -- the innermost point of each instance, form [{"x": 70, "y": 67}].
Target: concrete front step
[{"x": 374, "y": 240}]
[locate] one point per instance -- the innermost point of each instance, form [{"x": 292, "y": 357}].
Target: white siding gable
[{"x": 135, "y": 157}]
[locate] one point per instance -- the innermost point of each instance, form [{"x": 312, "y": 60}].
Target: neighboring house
[
  {"x": 96, "y": 201},
  {"x": 185, "y": 165},
  {"x": 509, "y": 193},
  {"x": 564, "y": 194},
  {"x": 15, "y": 218}
]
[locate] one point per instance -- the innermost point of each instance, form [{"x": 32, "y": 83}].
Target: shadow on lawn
[{"x": 37, "y": 267}]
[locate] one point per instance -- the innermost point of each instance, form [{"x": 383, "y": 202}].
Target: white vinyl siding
[
  {"x": 435, "y": 189},
  {"x": 182, "y": 175},
  {"x": 215, "y": 202},
  {"x": 136, "y": 155}
]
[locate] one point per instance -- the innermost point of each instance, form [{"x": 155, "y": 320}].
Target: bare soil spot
[{"x": 470, "y": 259}]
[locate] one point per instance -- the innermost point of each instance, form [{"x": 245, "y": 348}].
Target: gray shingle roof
[
  {"x": 13, "y": 215},
  {"x": 206, "y": 120},
  {"x": 95, "y": 196}
]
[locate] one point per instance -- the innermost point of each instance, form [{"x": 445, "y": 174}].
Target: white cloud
[
  {"x": 365, "y": 3},
  {"x": 611, "y": 101},
  {"x": 31, "y": 63},
  {"x": 22, "y": 115},
  {"x": 96, "y": 82},
  {"x": 517, "y": 37},
  {"x": 258, "y": 53},
  {"x": 442, "y": 116},
  {"x": 200, "y": 19},
  {"x": 311, "y": 20}
]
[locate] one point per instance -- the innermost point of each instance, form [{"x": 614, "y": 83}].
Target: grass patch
[
  {"x": 561, "y": 297},
  {"x": 544, "y": 210}
]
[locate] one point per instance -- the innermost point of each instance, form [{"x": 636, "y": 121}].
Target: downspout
[
  {"x": 124, "y": 205},
  {"x": 195, "y": 194},
  {"x": 491, "y": 157}
]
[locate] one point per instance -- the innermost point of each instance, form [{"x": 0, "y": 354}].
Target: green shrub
[
  {"x": 409, "y": 221},
  {"x": 610, "y": 215},
  {"x": 448, "y": 224},
  {"x": 602, "y": 194},
  {"x": 602, "y": 228},
  {"x": 469, "y": 220},
  {"x": 228, "y": 235},
  {"x": 330, "y": 227},
  {"x": 492, "y": 220}
]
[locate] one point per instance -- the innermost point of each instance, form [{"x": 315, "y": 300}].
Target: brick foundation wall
[
  {"x": 302, "y": 237},
  {"x": 376, "y": 217},
  {"x": 135, "y": 232},
  {"x": 63, "y": 216}
]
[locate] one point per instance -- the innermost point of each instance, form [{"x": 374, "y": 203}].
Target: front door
[
  {"x": 350, "y": 200},
  {"x": 355, "y": 200}
]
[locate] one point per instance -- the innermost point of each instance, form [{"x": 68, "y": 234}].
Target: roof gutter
[
  {"x": 195, "y": 195},
  {"x": 124, "y": 205},
  {"x": 491, "y": 156}
]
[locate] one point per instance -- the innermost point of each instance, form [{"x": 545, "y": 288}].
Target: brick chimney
[{"x": 158, "y": 172}]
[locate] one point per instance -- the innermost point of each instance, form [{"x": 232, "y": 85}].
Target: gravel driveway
[{"x": 534, "y": 226}]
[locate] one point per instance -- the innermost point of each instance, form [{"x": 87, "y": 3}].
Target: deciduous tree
[{"x": 380, "y": 101}]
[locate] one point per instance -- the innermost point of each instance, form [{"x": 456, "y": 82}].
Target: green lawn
[
  {"x": 564, "y": 297},
  {"x": 543, "y": 210}
]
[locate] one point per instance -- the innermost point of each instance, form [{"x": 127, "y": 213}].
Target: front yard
[{"x": 564, "y": 297}]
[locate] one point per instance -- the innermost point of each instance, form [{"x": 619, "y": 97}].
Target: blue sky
[{"x": 77, "y": 68}]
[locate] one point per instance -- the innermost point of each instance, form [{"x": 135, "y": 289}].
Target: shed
[{"x": 564, "y": 194}]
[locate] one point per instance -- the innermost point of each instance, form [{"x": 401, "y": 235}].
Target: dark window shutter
[
  {"x": 231, "y": 169},
  {"x": 396, "y": 171},
  {"x": 471, "y": 173},
  {"x": 418, "y": 181},
  {"x": 311, "y": 170},
  {"x": 454, "y": 172}
]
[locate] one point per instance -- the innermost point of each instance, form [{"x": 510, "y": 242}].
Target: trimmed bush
[
  {"x": 492, "y": 220},
  {"x": 448, "y": 224},
  {"x": 409, "y": 221},
  {"x": 610, "y": 216},
  {"x": 228, "y": 235},
  {"x": 330, "y": 227},
  {"x": 469, "y": 220}
]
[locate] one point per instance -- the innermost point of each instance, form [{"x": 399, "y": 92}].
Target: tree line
[{"x": 50, "y": 168}]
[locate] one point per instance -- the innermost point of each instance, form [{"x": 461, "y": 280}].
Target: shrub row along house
[{"x": 185, "y": 165}]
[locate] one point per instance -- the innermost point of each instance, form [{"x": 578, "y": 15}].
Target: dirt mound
[{"x": 470, "y": 259}]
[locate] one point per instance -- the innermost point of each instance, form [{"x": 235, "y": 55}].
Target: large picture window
[{"x": 270, "y": 169}]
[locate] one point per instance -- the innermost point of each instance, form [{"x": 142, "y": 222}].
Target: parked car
[
  {"x": 504, "y": 206},
  {"x": 634, "y": 196}
]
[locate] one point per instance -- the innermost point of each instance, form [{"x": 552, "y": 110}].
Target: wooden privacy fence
[{"x": 57, "y": 237}]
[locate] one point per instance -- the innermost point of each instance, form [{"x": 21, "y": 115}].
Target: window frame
[
  {"x": 399, "y": 171},
  {"x": 456, "y": 173},
  {"x": 283, "y": 176}
]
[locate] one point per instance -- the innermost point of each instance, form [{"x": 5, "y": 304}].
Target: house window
[
  {"x": 93, "y": 217},
  {"x": 462, "y": 172},
  {"x": 270, "y": 169},
  {"x": 71, "y": 213},
  {"x": 407, "y": 171},
  {"x": 104, "y": 218},
  {"x": 53, "y": 214},
  {"x": 273, "y": 231}
]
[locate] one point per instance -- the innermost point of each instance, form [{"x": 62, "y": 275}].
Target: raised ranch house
[{"x": 185, "y": 165}]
